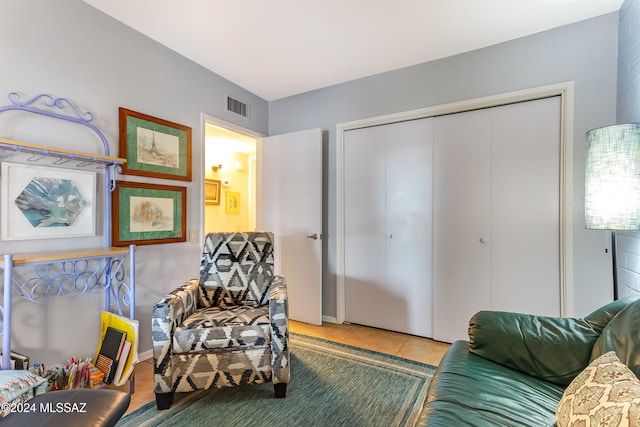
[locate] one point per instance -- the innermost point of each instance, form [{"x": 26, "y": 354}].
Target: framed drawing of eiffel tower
[{"x": 154, "y": 147}]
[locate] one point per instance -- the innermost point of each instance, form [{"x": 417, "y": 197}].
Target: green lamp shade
[{"x": 612, "y": 178}]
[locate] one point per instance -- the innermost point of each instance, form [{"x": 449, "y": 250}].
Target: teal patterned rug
[{"x": 331, "y": 385}]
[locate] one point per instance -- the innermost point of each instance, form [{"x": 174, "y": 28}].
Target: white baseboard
[
  {"x": 329, "y": 319},
  {"x": 145, "y": 355}
]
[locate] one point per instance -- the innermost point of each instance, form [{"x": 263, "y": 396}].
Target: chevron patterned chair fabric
[{"x": 227, "y": 328}]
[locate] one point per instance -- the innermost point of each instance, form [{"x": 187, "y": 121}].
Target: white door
[
  {"x": 525, "y": 253},
  {"x": 290, "y": 205},
  {"x": 388, "y": 226},
  {"x": 366, "y": 294},
  {"x": 409, "y": 224},
  {"x": 497, "y": 214},
  {"x": 462, "y": 218}
]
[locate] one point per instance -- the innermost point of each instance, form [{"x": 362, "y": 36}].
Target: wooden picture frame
[
  {"x": 154, "y": 147},
  {"x": 148, "y": 214},
  {"x": 211, "y": 192}
]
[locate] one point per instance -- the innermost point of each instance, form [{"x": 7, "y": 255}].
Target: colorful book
[
  {"x": 130, "y": 327},
  {"x": 110, "y": 348},
  {"x": 122, "y": 361}
]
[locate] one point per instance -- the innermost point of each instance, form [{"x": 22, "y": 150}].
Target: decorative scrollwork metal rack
[{"x": 73, "y": 272}]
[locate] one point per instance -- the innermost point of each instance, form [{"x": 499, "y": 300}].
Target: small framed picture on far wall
[
  {"x": 211, "y": 192},
  {"x": 232, "y": 205}
]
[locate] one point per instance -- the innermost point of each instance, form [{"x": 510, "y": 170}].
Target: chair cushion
[
  {"x": 468, "y": 390},
  {"x": 236, "y": 268},
  {"x": 72, "y": 408},
  {"x": 223, "y": 328}
]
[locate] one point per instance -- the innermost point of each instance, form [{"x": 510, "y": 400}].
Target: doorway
[{"x": 230, "y": 180}]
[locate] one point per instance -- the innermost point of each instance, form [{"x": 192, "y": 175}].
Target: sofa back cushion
[
  {"x": 622, "y": 335},
  {"x": 555, "y": 349},
  {"x": 236, "y": 269}
]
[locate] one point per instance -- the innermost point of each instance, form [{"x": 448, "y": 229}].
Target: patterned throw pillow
[
  {"x": 18, "y": 386},
  {"x": 606, "y": 393}
]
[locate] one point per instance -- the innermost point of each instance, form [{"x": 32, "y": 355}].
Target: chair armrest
[
  {"x": 166, "y": 315},
  {"x": 279, "y": 323},
  {"x": 555, "y": 349}
]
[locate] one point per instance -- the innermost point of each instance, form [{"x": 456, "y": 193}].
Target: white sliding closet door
[
  {"x": 409, "y": 225},
  {"x": 462, "y": 221},
  {"x": 366, "y": 296},
  {"x": 525, "y": 200},
  {"x": 388, "y": 226},
  {"x": 497, "y": 213}
]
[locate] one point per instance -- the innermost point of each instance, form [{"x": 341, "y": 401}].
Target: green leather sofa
[{"x": 515, "y": 367}]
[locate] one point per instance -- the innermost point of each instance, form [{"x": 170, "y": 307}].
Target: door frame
[
  {"x": 204, "y": 119},
  {"x": 566, "y": 92}
]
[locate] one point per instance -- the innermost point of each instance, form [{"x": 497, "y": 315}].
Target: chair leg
[
  {"x": 280, "y": 389},
  {"x": 164, "y": 400}
]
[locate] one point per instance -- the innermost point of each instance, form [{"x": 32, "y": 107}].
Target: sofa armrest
[
  {"x": 621, "y": 335},
  {"x": 166, "y": 315},
  {"x": 555, "y": 349},
  {"x": 279, "y": 322}
]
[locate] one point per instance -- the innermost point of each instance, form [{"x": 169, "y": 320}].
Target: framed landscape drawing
[
  {"x": 211, "y": 192},
  {"x": 154, "y": 147},
  {"x": 147, "y": 214},
  {"x": 41, "y": 202}
]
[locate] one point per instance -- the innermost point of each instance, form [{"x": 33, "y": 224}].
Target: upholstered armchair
[{"x": 227, "y": 328}]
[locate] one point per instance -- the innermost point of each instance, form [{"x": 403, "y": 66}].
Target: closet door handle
[
  {"x": 314, "y": 236},
  {"x": 484, "y": 240}
]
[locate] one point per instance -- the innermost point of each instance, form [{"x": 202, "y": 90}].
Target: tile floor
[{"x": 410, "y": 347}]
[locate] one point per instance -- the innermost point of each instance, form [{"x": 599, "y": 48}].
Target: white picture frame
[{"x": 18, "y": 180}]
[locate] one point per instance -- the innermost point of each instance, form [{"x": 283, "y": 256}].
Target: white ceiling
[{"x": 278, "y": 48}]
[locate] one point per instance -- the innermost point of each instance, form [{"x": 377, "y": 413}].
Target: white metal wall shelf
[{"x": 25, "y": 152}]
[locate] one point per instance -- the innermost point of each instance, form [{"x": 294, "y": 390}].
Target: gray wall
[
  {"x": 69, "y": 49},
  {"x": 629, "y": 111},
  {"x": 584, "y": 52}
]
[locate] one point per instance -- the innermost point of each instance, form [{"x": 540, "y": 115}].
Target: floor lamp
[{"x": 612, "y": 183}]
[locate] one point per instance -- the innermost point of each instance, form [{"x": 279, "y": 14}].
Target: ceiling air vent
[{"x": 237, "y": 107}]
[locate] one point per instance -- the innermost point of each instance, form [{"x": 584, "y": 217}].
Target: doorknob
[{"x": 314, "y": 236}]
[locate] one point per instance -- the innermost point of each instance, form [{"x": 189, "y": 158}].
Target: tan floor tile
[
  {"x": 423, "y": 350},
  {"x": 377, "y": 340},
  {"x": 328, "y": 331}
]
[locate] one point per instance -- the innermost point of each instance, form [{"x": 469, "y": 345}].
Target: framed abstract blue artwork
[{"x": 42, "y": 202}]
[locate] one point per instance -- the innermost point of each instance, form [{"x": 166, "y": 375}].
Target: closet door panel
[
  {"x": 526, "y": 207},
  {"x": 462, "y": 219},
  {"x": 409, "y": 225},
  {"x": 364, "y": 201}
]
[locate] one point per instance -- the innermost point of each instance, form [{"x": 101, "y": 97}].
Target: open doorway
[{"x": 230, "y": 180}]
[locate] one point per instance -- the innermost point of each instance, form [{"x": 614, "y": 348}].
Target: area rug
[{"x": 331, "y": 385}]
